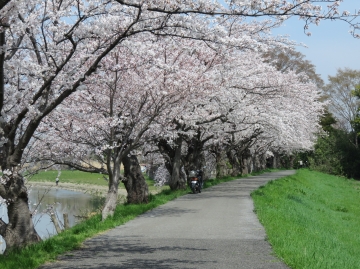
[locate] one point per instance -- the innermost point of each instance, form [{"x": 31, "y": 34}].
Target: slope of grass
[{"x": 312, "y": 219}]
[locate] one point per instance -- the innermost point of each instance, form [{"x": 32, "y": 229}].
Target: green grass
[
  {"x": 34, "y": 255},
  {"x": 312, "y": 220},
  {"x": 70, "y": 176},
  {"x": 79, "y": 177}
]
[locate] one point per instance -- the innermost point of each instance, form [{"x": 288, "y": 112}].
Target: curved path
[{"x": 214, "y": 229}]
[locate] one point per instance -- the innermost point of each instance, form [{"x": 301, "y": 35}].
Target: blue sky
[{"x": 330, "y": 46}]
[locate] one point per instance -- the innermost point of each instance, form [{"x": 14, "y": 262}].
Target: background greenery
[{"x": 337, "y": 150}]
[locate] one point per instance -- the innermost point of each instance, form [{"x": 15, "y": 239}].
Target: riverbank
[
  {"x": 84, "y": 188},
  {"x": 73, "y": 180}
]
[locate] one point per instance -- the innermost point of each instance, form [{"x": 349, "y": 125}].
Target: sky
[{"x": 330, "y": 45}]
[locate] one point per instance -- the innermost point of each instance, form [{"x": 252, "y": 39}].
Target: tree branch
[
  {"x": 3, "y": 3},
  {"x": 2, "y": 74},
  {"x": 82, "y": 168},
  {"x": 3, "y": 227}
]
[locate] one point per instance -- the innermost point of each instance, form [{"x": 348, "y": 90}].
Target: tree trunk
[
  {"x": 177, "y": 180},
  {"x": 172, "y": 156},
  {"x": 245, "y": 168},
  {"x": 19, "y": 231},
  {"x": 235, "y": 163},
  {"x": 275, "y": 164},
  {"x": 66, "y": 221},
  {"x": 291, "y": 162},
  {"x": 110, "y": 202},
  {"x": 2, "y": 73},
  {"x": 56, "y": 222},
  {"x": 220, "y": 163},
  {"x": 134, "y": 181},
  {"x": 112, "y": 195},
  {"x": 194, "y": 159},
  {"x": 248, "y": 163},
  {"x": 168, "y": 154},
  {"x": 256, "y": 162}
]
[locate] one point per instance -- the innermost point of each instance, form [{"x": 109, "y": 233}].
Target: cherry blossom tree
[
  {"x": 123, "y": 106},
  {"x": 254, "y": 107},
  {"x": 279, "y": 119}
]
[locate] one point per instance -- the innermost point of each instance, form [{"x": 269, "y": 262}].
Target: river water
[{"x": 73, "y": 203}]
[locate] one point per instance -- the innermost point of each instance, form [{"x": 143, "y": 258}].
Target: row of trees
[
  {"x": 337, "y": 151},
  {"x": 84, "y": 80},
  {"x": 178, "y": 99}
]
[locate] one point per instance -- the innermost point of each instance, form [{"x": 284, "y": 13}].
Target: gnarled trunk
[
  {"x": 247, "y": 163},
  {"x": 134, "y": 181},
  {"x": 178, "y": 179},
  {"x": 275, "y": 161},
  {"x": 168, "y": 154},
  {"x": 235, "y": 162},
  {"x": 19, "y": 231},
  {"x": 220, "y": 159},
  {"x": 194, "y": 159},
  {"x": 291, "y": 162},
  {"x": 111, "y": 201},
  {"x": 173, "y": 164},
  {"x": 112, "y": 195}
]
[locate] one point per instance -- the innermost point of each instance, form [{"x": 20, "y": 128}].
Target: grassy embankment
[
  {"x": 312, "y": 220},
  {"x": 70, "y": 176},
  {"x": 35, "y": 255},
  {"x": 78, "y": 177}
]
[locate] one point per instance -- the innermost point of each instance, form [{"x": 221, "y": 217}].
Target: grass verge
[
  {"x": 34, "y": 255},
  {"x": 70, "y": 176},
  {"x": 312, "y": 219},
  {"x": 79, "y": 177}
]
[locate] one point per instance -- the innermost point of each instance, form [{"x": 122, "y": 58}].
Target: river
[{"x": 63, "y": 201}]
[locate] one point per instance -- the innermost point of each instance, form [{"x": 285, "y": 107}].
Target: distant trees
[
  {"x": 356, "y": 121},
  {"x": 343, "y": 103},
  {"x": 292, "y": 60},
  {"x": 335, "y": 153},
  {"x": 337, "y": 150}
]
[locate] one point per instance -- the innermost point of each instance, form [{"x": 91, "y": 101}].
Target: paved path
[{"x": 214, "y": 229}]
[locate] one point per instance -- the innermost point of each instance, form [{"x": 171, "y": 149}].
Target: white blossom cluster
[
  {"x": 162, "y": 176},
  {"x": 222, "y": 93}
]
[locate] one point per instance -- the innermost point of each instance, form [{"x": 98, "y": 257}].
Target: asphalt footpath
[{"x": 214, "y": 229}]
